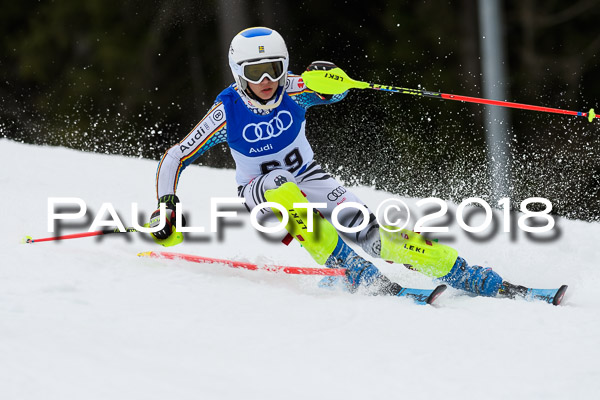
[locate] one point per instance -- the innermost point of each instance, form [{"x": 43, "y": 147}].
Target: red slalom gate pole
[{"x": 244, "y": 265}]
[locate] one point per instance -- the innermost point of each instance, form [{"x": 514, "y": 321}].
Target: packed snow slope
[{"x": 88, "y": 319}]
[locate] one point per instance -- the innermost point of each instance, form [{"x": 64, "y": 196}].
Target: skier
[{"x": 262, "y": 119}]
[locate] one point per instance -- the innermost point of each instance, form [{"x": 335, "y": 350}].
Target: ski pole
[
  {"x": 336, "y": 81},
  {"x": 174, "y": 239},
  {"x": 244, "y": 265},
  {"x": 29, "y": 239}
]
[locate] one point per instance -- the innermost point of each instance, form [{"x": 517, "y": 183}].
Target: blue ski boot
[
  {"x": 476, "y": 279},
  {"x": 360, "y": 272}
]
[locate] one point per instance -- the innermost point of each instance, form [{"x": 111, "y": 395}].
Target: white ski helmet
[{"x": 256, "y": 53}]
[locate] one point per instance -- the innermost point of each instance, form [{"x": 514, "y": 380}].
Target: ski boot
[
  {"x": 360, "y": 272},
  {"x": 476, "y": 279},
  {"x": 437, "y": 261},
  {"x": 511, "y": 291},
  {"x": 326, "y": 246}
]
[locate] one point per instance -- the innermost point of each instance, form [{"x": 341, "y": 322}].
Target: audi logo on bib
[{"x": 267, "y": 130}]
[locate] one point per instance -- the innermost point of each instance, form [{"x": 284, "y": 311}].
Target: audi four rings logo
[
  {"x": 267, "y": 130},
  {"x": 336, "y": 193}
]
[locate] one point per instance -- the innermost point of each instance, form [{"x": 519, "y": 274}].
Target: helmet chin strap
[{"x": 258, "y": 104}]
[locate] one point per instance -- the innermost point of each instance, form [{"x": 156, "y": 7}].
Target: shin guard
[
  {"x": 426, "y": 256},
  {"x": 323, "y": 239}
]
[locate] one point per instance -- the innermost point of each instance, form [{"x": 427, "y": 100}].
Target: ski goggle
[{"x": 256, "y": 71}]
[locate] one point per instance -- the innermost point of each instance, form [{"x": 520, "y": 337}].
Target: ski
[
  {"x": 334, "y": 276},
  {"x": 422, "y": 296},
  {"x": 550, "y": 296},
  {"x": 419, "y": 296}
]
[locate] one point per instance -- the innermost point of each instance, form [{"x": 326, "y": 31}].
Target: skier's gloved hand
[
  {"x": 322, "y": 66},
  {"x": 170, "y": 201}
]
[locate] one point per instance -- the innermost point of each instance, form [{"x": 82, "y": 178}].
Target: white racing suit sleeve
[
  {"x": 211, "y": 130},
  {"x": 305, "y": 97}
]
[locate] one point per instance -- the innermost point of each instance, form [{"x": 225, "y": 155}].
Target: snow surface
[{"x": 88, "y": 319}]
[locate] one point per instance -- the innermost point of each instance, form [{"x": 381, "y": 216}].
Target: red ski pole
[
  {"x": 29, "y": 239},
  {"x": 336, "y": 81},
  {"x": 244, "y": 265}
]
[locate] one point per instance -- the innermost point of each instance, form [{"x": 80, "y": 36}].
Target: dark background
[{"x": 133, "y": 77}]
